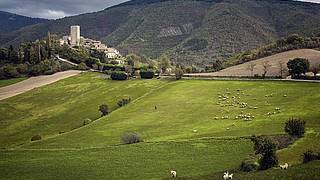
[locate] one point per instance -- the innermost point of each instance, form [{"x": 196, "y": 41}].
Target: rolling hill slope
[
  {"x": 190, "y": 31},
  {"x": 192, "y": 130},
  {"x": 242, "y": 70}
]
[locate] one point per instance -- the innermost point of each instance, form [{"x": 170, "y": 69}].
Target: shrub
[
  {"x": 178, "y": 73},
  {"x": 104, "y": 109},
  {"x": 36, "y": 138},
  {"x": 124, "y": 101},
  {"x": 267, "y": 148},
  {"x": 147, "y": 74},
  {"x": 295, "y": 127},
  {"x": 131, "y": 138},
  {"x": 310, "y": 156},
  {"x": 196, "y": 44},
  {"x": 9, "y": 71},
  {"x": 82, "y": 66},
  {"x": 119, "y": 75},
  {"x": 249, "y": 165},
  {"x": 87, "y": 121},
  {"x": 298, "y": 66}
]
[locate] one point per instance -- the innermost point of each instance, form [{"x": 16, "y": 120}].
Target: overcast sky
[{"x": 53, "y": 9}]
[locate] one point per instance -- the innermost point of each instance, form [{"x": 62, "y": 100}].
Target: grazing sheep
[
  {"x": 285, "y": 95},
  {"x": 173, "y": 174},
  {"x": 226, "y": 175},
  {"x": 228, "y": 128},
  {"x": 285, "y": 166},
  {"x": 195, "y": 131}
]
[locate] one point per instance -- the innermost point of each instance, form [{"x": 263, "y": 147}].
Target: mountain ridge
[{"x": 11, "y": 21}]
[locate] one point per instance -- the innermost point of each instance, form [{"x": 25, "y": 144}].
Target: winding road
[{"x": 34, "y": 82}]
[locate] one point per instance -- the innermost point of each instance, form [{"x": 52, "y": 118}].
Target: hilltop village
[{"x": 76, "y": 40}]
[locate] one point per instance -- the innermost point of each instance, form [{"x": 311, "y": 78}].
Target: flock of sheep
[
  {"x": 226, "y": 175},
  {"x": 226, "y": 99}
]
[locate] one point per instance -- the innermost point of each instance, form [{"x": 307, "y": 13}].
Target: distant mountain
[
  {"x": 190, "y": 31},
  {"x": 12, "y": 22}
]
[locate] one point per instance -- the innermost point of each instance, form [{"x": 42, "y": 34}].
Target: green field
[
  {"x": 180, "y": 121},
  {"x": 8, "y": 82}
]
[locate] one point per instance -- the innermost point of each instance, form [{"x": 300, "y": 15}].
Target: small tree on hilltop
[
  {"x": 282, "y": 68},
  {"x": 266, "y": 66},
  {"x": 298, "y": 66},
  {"x": 178, "y": 73},
  {"x": 250, "y": 67},
  {"x": 295, "y": 127},
  {"x": 267, "y": 148},
  {"x": 315, "y": 70},
  {"x": 104, "y": 109}
]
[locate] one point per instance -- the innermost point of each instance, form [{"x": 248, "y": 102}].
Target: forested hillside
[
  {"x": 11, "y": 22},
  {"x": 190, "y": 31}
]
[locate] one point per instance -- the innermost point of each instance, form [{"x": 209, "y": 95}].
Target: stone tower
[{"x": 75, "y": 35}]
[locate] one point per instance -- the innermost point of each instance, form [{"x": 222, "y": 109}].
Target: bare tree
[
  {"x": 266, "y": 66},
  {"x": 315, "y": 69},
  {"x": 282, "y": 67},
  {"x": 250, "y": 67}
]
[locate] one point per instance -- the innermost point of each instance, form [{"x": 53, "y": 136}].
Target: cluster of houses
[{"x": 75, "y": 39}]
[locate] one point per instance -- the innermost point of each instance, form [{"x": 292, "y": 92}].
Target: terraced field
[{"x": 198, "y": 127}]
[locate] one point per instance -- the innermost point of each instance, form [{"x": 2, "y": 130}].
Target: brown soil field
[{"x": 274, "y": 61}]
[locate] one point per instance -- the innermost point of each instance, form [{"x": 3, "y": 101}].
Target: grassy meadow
[
  {"x": 193, "y": 126},
  {"x": 8, "y": 82}
]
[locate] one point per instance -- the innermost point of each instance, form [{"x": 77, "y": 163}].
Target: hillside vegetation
[
  {"x": 185, "y": 125},
  {"x": 12, "y": 22},
  {"x": 190, "y": 31}
]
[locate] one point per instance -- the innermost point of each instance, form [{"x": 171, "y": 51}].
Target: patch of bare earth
[{"x": 274, "y": 61}]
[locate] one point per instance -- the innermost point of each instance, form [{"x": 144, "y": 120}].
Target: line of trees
[{"x": 30, "y": 59}]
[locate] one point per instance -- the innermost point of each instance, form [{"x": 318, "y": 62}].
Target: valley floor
[{"x": 192, "y": 126}]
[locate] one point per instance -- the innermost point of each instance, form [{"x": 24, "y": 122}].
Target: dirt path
[{"x": 34, "y": 82}]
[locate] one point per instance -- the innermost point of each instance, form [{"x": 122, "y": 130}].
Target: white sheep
[
  {"x": 173, "y": 174},
  {"x": 285, "y": 166},
  {"x": 226, "y": 175}
]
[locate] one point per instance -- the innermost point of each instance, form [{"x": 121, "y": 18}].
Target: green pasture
[
  {"x": 193, "y": 126},
  {"x": 8, "y": 82}
]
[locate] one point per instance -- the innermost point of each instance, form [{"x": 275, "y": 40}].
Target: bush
[
  {"x": 267, "y": 148},
  {"x": 104, "y": 109},
  {"x": 178, "y": 73},
  {"x": 295, "y": 127},
  {"x": 82, "y": 66},
  {"x": 124, "y": 101},
  {"x": 310, "y": 156},
  {"x": 131, "y": 138},
  {"x": 298, "y": 66},
  {"x": 9, "y": 71},
  {"x": 36, "y": 138},
  {"x": 119, "y": 75},
  {"x": 249, "y": 165},
  {"x": 87, "y": 121},
  {"x": 147, "y": 74}
]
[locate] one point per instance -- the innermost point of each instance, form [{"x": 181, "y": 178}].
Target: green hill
[
  {"x": 191, "y": 31},
  {"x": 192, "y": 130}
]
